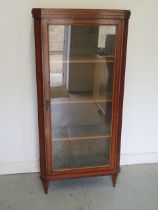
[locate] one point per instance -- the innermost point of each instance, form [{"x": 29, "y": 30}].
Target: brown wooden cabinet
[{"x": 80, "y": 68}]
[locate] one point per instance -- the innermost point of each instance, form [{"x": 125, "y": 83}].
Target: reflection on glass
[
  {"x": 81, "y": 153},
  {"x": 79, "y": 120},
  {"x": 81, "y": 88}
]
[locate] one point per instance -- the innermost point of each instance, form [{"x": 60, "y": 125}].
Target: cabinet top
[{"x": 81, "y": 13}]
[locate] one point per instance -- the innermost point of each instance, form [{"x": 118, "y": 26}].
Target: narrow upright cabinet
[{"x": 80, "y": 68}]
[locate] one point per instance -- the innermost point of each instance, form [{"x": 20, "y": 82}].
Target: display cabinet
[{"x": 80, "y": 68}]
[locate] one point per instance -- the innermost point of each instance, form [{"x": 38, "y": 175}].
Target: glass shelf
[
  {"x": 81, "y": 138},
  {"x": 76, "y": 59},
  {"x": 70, "y": 101}
]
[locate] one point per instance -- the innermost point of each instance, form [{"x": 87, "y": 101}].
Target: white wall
[{"x": 18, "y": 112}]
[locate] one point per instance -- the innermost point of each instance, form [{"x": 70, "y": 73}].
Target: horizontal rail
[
  {"x": 82, "y": 138},
  {"x": 81, "y": 101}
]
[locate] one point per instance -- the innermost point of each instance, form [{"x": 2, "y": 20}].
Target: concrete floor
[{"x": 136, "y": 189}]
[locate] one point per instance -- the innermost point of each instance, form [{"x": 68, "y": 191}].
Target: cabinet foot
[
  {"x": 45, "y": 184},
  {"x": 114, "y": 179}
]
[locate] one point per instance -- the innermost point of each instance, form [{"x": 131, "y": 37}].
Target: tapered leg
[
  {"x": 114, "y": 179},
  {"x": 45, "y": 185}
]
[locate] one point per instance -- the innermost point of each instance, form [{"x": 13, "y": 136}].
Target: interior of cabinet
[{"x": 81, "y": 84}]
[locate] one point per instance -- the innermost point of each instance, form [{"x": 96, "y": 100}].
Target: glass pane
[
  {"x": 73, "y": 120},
  {"x": 81, "y": 88},
  {"x": 81, "y": 153}
]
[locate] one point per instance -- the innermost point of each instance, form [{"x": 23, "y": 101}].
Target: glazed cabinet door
[{"x": 81, "y": 71}]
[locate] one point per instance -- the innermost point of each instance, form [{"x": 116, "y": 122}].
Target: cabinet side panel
[
  {"x": 122, "y": 78},
  {"x": 39, "y": 78}
]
